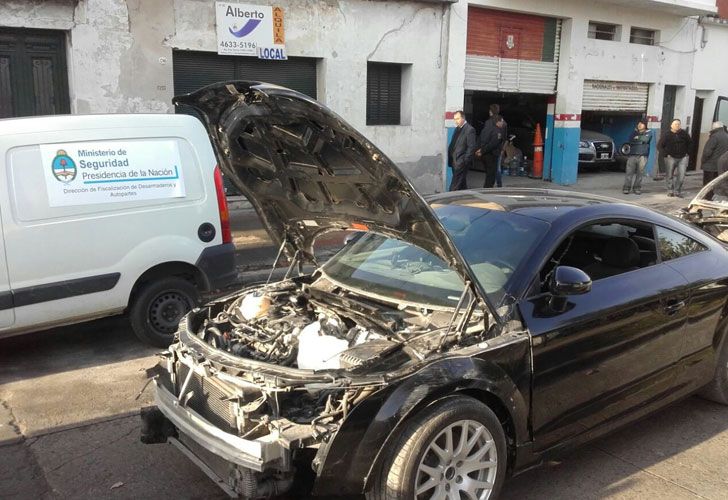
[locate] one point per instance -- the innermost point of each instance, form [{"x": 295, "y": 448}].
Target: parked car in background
[
  {"x": 105, "y": 214},
  {"x": 453, "y": 342},
  {"x": 596, "y": 150}
]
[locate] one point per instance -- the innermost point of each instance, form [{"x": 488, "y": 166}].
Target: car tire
[
  {"x": 717, "y": 390},
  {"x": 421, "y": 451},
  {"x": 157, "y": 308}
]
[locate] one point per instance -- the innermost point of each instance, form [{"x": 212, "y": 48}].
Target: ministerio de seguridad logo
[{"x": 63, "y": 167}]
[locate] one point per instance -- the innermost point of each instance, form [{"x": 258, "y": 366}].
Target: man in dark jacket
[
  {"x": 675, "y": 145},
  {"x": 490, "y": 146},
  {"x": 639, "y": 152},
  {"x": 460, "y": 152},
  {"x": 716, "y": 146}
]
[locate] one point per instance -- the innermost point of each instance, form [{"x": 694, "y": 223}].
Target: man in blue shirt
[{"x": 639, "y": 152}]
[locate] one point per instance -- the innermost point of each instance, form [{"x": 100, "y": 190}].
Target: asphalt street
[{"x": 69, "y": 425}]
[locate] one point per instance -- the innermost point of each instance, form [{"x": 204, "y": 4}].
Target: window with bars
[
  {"x": 642, "y": 36},
  {"x": 384, "y": 93},
  {"x": 603, "y": 31}
]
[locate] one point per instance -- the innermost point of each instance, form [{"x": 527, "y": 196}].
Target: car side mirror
[
  {"x": 564, "y": 282},
  {"x": 569, "y": 281}
]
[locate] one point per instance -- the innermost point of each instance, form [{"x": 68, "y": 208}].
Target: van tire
[{"x": 158, "y": 307}]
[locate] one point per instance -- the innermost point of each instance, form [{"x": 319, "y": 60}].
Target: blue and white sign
[
  {"x": 275, "y": 53},
  {"x": 242, "y": 28},
  {"x": 82, "y": 173}
]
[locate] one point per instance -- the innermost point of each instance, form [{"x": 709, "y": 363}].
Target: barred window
[
  {"x": 602, "y": 31},
  {"x": 384, "y": 93},
  {"x": 642, "y": 36}
]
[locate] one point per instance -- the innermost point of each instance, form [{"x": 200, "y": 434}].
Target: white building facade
[
  {"x": 380, "y": 65},
  {"x": 613, "y": 63},
  {"x": 394, "y": 69}
]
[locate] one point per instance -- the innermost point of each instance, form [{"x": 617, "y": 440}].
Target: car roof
[{"x": 544, "y": 204}]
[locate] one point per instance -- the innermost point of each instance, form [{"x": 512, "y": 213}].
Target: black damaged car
[{"x": 450, "y": 344}]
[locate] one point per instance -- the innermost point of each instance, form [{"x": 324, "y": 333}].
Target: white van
[{"x": 103, "y": 214}]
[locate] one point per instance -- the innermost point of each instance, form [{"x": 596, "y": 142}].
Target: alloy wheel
[{"x": 461, "y": 462}]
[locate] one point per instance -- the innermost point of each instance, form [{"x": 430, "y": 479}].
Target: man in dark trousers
[
  {"x": 460, "y": 152},
  {"x": 490, "y": 146},
  {"x": 716, "y": 146},
  {"x": 494, "y": 110},
  {"x": 639, "y": 152},
  {"x": 675, "y": 145}
]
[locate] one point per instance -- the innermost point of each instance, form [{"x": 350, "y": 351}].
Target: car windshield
[{"x": 494, "y": 244}]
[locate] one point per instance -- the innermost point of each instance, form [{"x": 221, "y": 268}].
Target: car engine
[{"x": 318, "y": 327}]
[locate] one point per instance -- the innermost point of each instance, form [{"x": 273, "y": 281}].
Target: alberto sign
[
  {"x": 242, "y": 28},
  {"x": 81, "y": 173}
]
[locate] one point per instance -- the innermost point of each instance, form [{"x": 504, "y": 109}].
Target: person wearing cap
[{"x": 716, "y": 147}]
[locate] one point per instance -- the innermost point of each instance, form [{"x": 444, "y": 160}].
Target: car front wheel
[{"x": 456, "y": 448}]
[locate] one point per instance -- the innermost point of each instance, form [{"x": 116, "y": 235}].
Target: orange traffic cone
[{"x": 537, "y": 171}]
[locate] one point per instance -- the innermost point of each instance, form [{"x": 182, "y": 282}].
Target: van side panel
[{"x": 75, "y": 251}]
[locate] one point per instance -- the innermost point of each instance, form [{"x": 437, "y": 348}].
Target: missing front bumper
[{"x": 259, "y": 455}]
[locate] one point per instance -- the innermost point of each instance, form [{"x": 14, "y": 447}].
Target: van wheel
[
  {"x": 454, "y": 449},
  {"x": 158, "y": 308},
  {"x": 717, "y": 390}
]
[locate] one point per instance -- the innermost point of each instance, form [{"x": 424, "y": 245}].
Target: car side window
[
  {"x": 674, "y": 245},
  {"x": 603, "y": 250}
]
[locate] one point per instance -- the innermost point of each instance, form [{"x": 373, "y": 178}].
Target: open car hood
[{"x": 306, "y": 171}]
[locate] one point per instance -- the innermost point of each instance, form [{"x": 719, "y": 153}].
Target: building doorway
[{"x": 33, "y": 75}]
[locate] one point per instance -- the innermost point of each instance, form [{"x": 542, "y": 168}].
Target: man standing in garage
[
  {"x": 639, "y": 151},
  {"x": 460, "y": 152},
  {"x": 675, "y": 145},
  {"x": 490, "y": 146},
  {"x": 716, "y": 146}
]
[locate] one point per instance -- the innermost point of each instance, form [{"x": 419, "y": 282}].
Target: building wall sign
[{"x": 242, "y": 28}]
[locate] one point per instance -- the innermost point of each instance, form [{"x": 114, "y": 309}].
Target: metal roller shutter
[
  {"x": 193, "y": 70},
  {"x": 615, "y": 96},
  {"x": 511, "y": 52}
]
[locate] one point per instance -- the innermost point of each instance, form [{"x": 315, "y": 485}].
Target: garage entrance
[
  {"x": 193, "y": 70},
  {"x": 521, "y": 112},
  {"x": 613, "y": 109},
  {"x": 512, "y": 60}
]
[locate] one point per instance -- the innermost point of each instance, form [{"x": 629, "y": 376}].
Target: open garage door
[
  {"x": 511, "y": 52},
  {"x": 611, "y": 109},
  {"x": 628, "y": 97}
]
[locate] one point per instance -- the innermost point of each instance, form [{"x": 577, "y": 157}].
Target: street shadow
[
  {"x": 73, "y": 347},
  {"x": 646, "y": 458}
]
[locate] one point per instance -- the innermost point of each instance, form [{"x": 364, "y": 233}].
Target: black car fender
[{"x": 346, "y": 463}]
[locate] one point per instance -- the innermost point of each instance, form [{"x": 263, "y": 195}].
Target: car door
[
  {"x": 698, "y": 263},
  {"x": 610, "y": 350},
  {"x": 7, "y": 313}
]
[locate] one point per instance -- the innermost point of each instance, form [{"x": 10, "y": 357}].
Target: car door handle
[{"x": 673, "y": 306}]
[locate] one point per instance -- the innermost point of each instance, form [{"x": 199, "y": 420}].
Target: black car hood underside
[{"x": 306, "y": 171}]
